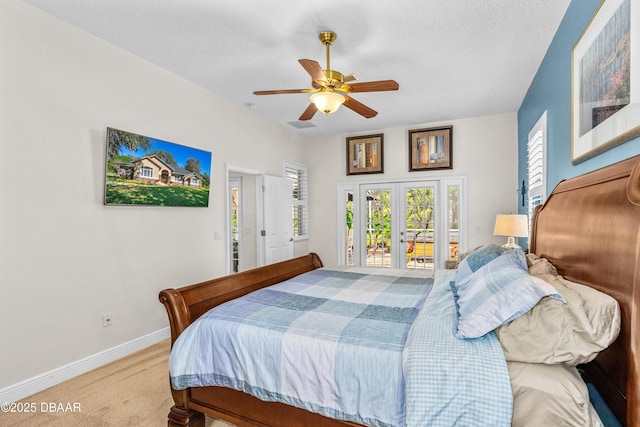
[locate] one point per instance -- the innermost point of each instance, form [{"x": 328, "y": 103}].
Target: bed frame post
[{"x": 180, "y": 417}]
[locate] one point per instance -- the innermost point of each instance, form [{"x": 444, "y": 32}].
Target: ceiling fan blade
[
  {"x": 359, "y": 108},
  {"x": 279, "y": 92},
  {"x": 309, "y": 112},
  {"x": 377, "y": 86},
  {"x": 314, "y": 69}
]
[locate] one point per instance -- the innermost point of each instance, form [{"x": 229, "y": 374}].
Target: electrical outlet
[{"x": 106, "y": 320}]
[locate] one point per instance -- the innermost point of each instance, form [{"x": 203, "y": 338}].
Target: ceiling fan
[{"x": 331, "y": 88}]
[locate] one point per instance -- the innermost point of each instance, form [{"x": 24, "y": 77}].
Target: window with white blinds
[
  {"x": 537, "y": 164},
  {"x": 298, "y": 175}
]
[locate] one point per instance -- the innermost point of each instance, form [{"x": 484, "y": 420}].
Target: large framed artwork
[
  {"x": 141, "y": 170},
  {"x": 605, "y": 99},
  {"x": 431, "y": 148},
  {"x": 365, "y": 155}
]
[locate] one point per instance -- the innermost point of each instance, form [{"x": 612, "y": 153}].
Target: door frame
[
  {"x": 442, "y": 185},
  {"x": 229, "y": 168}
]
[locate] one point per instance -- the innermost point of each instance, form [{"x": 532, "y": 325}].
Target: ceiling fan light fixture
[
  {"x": 325, "y": 84},
  {"x": 327, "y": 102}
]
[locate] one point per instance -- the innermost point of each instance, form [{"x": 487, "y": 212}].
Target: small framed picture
[
  {"x": 364, "y": 154},
  {"x": 430, "y": 148}
]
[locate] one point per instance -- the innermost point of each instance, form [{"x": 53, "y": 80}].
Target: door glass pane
[
  {"x": 378, "y": 228},
  {"x": 419, "y": 228},
  {"x": 454, "y": 222},
  {"x": 348, "y": 233},
  {"x": 235, "y": 256}
]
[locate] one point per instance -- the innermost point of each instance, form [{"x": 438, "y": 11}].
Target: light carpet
[{"x": 132, "y": 391}]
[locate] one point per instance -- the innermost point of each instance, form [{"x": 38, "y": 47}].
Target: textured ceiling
[{"x": 452, "y": 59}]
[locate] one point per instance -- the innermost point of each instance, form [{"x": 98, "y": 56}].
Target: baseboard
[{"x": 56, "y": 376}]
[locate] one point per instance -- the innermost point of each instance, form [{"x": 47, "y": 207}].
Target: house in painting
[{"x": 153, "y": 170}]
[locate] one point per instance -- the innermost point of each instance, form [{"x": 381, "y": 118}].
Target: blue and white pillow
[
  {"x": 478, "y": 258},
  {"x": 496, "y": 293}
]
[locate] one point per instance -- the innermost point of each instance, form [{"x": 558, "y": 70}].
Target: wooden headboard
[{"x": 589, "y": 228}]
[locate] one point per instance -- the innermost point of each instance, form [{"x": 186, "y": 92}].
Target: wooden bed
[{"x": 589, "y": 228}]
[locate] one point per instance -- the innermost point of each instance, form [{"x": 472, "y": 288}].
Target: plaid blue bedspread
[
  {"x": 451, "y": 381},
  {"x": 339, "y": 342}
]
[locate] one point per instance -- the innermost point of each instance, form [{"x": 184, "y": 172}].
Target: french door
[{"x": 407, "y": 225}]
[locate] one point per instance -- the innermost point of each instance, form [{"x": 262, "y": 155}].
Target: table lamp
[{"x": 511, "y": 226}]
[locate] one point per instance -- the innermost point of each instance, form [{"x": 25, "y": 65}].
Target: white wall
[
  {"x": 65, "y": 258},
  {"x": 485, "y": 150}
]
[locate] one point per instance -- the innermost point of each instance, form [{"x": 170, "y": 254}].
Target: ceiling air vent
[{"x": 302, "y": 124}]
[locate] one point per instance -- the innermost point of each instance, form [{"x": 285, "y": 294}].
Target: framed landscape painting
[
  {"x": 431, "y": 148},
  {"x": 605, "y": 98},
  {"x": 365, "y": 154},
  {"x": 141, "y": 170}
]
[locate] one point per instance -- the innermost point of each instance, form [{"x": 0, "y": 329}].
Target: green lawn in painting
[{"x": 156, "y": 195}]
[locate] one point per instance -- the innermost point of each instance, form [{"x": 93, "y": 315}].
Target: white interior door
[{"x": 278, "y": 218}]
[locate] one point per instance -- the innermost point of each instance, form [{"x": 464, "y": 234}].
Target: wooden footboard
[{"x": 184, "y": 305}]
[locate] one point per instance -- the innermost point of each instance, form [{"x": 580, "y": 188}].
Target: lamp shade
[
  {"x": 511, "y": 226},
  {"x": 327, "y": 102}
]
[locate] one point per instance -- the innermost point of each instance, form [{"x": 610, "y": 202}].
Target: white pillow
[{"x": 571, "y": 333}]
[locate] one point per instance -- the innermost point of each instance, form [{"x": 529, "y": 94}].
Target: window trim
[
  {"x": 302, "y": 202},
  {"x": 537, "y": 194},
  {"x": 144, "y": 170}
]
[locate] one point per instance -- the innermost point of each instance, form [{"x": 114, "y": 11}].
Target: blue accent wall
[{"x": 551, "y": 91}]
